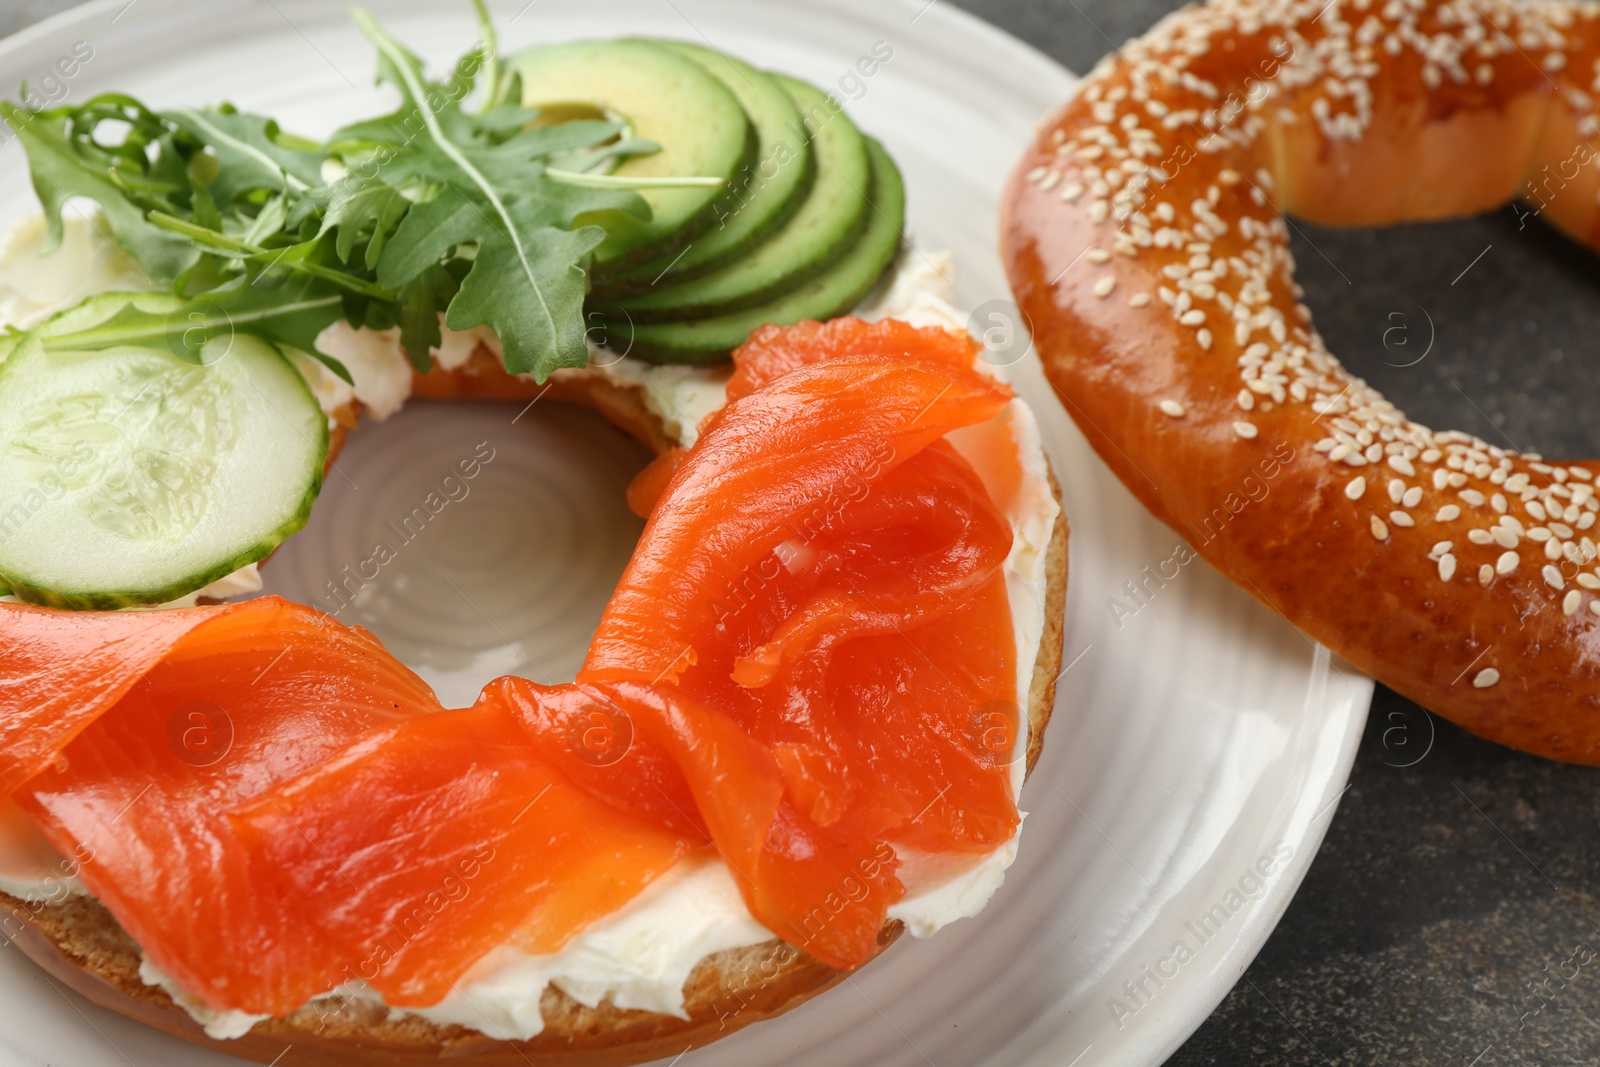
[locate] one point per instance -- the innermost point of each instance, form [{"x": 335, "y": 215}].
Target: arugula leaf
[
  {"x": 248, "y": 153},
  {"x": 527, "y": 280},
  {"x": 363, "y": 208},
  {"x": 58, "y": 176},
  {"x": 421, "y": 301},
  {"x": 536, "y": 336}
]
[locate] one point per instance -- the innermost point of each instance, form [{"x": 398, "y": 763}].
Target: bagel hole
[
  {"x": 1510, "y": 306},
  {"x": 474, "y": 538}
]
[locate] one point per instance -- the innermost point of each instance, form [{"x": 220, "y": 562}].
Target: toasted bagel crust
[{"x": 79, "y": 942}]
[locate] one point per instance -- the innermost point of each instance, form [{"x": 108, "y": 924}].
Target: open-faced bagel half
[{"x": 79, "y": 943}]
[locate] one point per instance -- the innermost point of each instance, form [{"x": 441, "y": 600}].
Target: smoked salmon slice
[
  {"x": 59, "y": 670},
  {"x": 273, "y": 689},
  {"x": 778, "y": 856},
  {"x": 773, "y": 351},
  {"x": 428, "y": 843},
  {"x": 817, "y": 510},
  {"x": 346, "y": 827},
  {"x": 773, "y": 460}
]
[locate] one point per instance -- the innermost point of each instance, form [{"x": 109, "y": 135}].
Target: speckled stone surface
[{"x": 1451, "y": 916}]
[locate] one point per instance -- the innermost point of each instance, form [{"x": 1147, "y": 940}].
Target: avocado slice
[
  {"x": 666, "y": 98},
  {"x": 776, "y": 185},
  {"x": 835, "y": 291},
  {"x": 827, "y": 223}
]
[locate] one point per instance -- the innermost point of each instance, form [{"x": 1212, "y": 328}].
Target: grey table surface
[{"x": 1457, "y": 878}]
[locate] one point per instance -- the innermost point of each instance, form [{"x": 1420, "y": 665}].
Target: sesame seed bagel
[
  {"x": 1144, "y": 237},
  {"x": 79, "y": 942}
]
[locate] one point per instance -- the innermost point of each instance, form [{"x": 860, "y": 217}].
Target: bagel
[
  {"x": 1143, "y": 233},
  {"x": 76, "y": 938}
]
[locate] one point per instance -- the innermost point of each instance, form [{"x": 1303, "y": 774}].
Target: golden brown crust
[
  {"x": 1163, "y": 304},
  {"x": 79, "y": 942},
  {"x": 1047, "y": 667}
]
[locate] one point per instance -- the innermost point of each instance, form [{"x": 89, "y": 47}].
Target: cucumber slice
[
  {"x": 826, "y": 225},
  {"x": 781, "y": 176},
  {"x": 834, "y": 292},
  {"x": 128, "y": 477},
  {"x": 668, "y": 99}
]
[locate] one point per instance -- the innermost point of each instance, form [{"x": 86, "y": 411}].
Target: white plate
[{"x": 1188, "y": 743}]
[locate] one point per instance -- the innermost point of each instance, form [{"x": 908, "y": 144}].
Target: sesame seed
[
  {"x": 1244, "y": 429},
  {"x": 1448, "y": 513},
  {"x": 1588, "y": 581},
  {"x": 1447, "y": 567},
  {"x": 1192, "y": 317},
  {"x": 1485, "y": 574},
  {"x": 1355, "y": 487},
  {"x": 1485, "y": 678},
  {"x": 1503, "y": 537},
  {"x": 1571, "y": 603},
  {"x": 1480, "y": 537},
  {"x": 1401, "y": 518},
  {"x": 1103, "y": 287},
  {"x": 1507, "y": 563},
  {"x": 1552, "y": 577},
  {"x": 1173, "y": 408},
  {"x": 1071, "y": 191},
  {"x": 1403, "y": 465},
  {"x": 1138, "y": 300},
  {"x": 1379, "y": 530},
  {"x": 1413, "y": 496}
]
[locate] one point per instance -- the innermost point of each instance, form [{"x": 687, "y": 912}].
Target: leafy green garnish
[
  {"x": 60, "y": 173},
  {"x": 525, "y": 280},
  {"x": 432, "y": 209}
]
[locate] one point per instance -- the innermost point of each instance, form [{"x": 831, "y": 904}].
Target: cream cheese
[
  {"x": 640, "y": 956},
  {"x": 35, "y": 285},
  {"x": 29, "y": 868}
]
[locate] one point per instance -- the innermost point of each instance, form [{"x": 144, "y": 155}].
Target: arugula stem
[
  {"x": 221, "y": 242},
  {"x": 99, "y": 337},
  {"x": 416, "y": 94},
  {"x": 491, "y": 47},
  {"x": 586, "y": 180}
]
